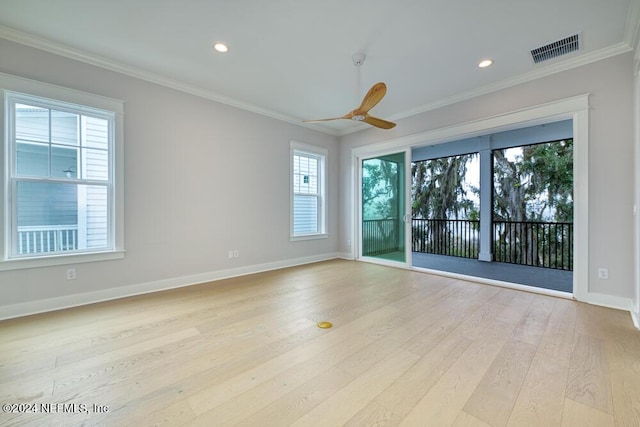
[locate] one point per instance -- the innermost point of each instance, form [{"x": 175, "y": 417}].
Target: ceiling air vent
[{"x": 555, "y": 49}]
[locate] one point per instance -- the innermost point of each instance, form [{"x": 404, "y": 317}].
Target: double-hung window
[
  {"x": 60, "y": 181},
  {"x": 308, "y": 201}
]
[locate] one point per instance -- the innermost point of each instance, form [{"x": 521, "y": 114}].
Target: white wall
[
  {"x": 200, "y": 178},
  {"x": 611, "y": 167}
]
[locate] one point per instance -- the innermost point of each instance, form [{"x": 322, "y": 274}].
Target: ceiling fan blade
[
  {"x": 322, "y": 120},
  {"x": 346, "y": 116},
  {"x": 375, "y": 94},
  {"x": 379, "y": 123}
]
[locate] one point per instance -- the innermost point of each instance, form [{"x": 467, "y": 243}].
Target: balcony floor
[{"x": 546, "y": 278}]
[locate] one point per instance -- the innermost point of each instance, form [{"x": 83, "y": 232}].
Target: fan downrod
[{"x": 358, "y": 58}]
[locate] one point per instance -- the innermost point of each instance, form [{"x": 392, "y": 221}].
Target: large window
[
  {"x": 60, "y": 187},
  {"x": 308, "y": 195}
]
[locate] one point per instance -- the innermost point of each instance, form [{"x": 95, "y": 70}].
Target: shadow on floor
[{"x": 546, "y": 278}]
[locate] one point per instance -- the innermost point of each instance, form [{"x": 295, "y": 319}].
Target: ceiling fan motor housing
[{"x": 358, "y": 58}]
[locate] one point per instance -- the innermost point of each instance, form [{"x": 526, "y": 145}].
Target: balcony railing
[
  {"x": 538, "y": 244},
  {"x": 452, "y": 237},
  {"x": 47, "y": 238},
  {"x": 380, "y": 236}
]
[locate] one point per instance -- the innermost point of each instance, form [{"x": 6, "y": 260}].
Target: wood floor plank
[
  {"x": 376, "y": 415},
  {"x": 466, "y": 420},
  {"x": 517, "y": 307},
  {"x": 541, "y": 397},
  {"x": 450, "y": 315},
  {"x": 21, "y": 390},
  {"x": 623, "y": 355},
  {"x": 407, "y": 390},
  {"x": 151, "y": 412},
  {"x": 575, "y": 414},
  {"x": 600, "y": 322},
  {"x": 493, "y": 399},
  {"x": 356, "y": 395},
  {"x": 395, "y": 337},
  {"x": 556, "y": 343},
  {"x": 589, "y": 381},
  {"x": 444, "y": 401},
  {"x": 534, "y": 322},
  {"x": 295, "y": 404},
  {"x": 265, "y": 393}
]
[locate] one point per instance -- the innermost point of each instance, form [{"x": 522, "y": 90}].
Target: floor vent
[{"x": 555, "y": 49}]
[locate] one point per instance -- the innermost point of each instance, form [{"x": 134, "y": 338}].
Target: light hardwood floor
[{"x": 407, "y": 349}]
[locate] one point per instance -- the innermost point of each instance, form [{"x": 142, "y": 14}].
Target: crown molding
[
  {"x": 108, "y": 64},
  {"x": 632, "y": 32},
  {"x": 632, "y": 27}
]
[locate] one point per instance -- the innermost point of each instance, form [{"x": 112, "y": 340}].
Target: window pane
[
  {"x": 296, "y": 174},
  {"x": 305, "y": 175},
  {"x": 313, "y": 184},
  {"x": 32, "y": 159},
  {"x": 64, "y": 161},
  {"x": 96, "y": 164},
  {"x": 96, "y": 216},
  {"x": 96, "y": 132},
  {"x": 305, "y": 214},
  {"x": 44, "y": 204},
  {"x": 32, "y": 123},
  {"x": 64, "y": 128},
  {"x": 56, "y": 217}
]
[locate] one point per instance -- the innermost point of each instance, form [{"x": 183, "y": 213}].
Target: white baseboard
[
  {"x": 604, "y": 300},
  {"x": 75, "y": 300},
  {"x": 619, "y": 303},
  {"x": 635, "y": 316},
  {"x": 345, "y": 255}
]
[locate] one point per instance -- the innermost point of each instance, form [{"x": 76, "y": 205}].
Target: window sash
[
  {"x": 307, "y": 191},
  {"x": 90, "y": 178},
  {"x": 306, "y": 214}
]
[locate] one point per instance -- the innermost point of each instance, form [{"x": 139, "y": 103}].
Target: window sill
[
  {"x": 60, "y": 259},
  {"x": 309, "y": 237}
]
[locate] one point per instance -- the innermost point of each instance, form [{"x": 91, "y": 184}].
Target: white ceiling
[{"x": 291, "y": 59}]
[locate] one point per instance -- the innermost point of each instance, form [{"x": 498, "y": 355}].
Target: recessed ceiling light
[
  {"x": 221, "y": 47},
  {"x": 485, "y": 63}
]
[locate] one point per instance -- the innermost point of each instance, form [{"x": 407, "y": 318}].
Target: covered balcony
[{"x": 536, "y": 254}]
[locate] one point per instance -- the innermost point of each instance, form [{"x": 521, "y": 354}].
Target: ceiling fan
[{"x": 373, "y": 96}]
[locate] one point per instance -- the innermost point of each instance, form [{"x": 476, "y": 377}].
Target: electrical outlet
[
  {"x": 236, "y": 253},
  {"x": 71, "y": 274},
  {"x": 603, "y": 273}
]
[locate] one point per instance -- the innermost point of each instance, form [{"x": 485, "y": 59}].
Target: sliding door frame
[
  {"x": 406, "y": 220},
  {"x": 575, "y": 108}
]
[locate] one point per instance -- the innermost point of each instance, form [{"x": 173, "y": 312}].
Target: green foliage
[
  {"x": 536, "y": 184},
  {"x": 379, "y": 189},
  {"x": 439, "y": 189}
]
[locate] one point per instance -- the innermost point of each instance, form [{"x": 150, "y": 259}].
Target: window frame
[
  {"x": 320, "y": 153},
  {"x": 15, "y": 89}
]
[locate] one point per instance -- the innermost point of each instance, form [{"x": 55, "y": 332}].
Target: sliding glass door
[{"x": 384, "y": 230}]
